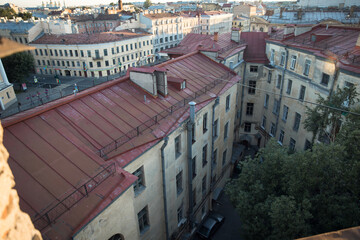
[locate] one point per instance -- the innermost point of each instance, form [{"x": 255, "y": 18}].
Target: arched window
[{"x": 117, "y": 237}]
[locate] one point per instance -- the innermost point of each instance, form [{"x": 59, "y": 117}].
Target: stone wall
[{"x": 14, "y": 224}]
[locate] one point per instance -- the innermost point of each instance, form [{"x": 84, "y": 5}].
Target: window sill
[
  {"x": 144, "y": 230},
  {"x": 139, "y": 191}
]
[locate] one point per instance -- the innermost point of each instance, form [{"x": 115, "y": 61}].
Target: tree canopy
[
  {"x": 286, "y": 196},
  {"x": 18, "y": 66},
  {"x": 147, "y": 4},
  {"x": 10, "y": 13}
]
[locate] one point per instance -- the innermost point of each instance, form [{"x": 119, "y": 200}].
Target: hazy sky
[{"x": 34, "y": 3}]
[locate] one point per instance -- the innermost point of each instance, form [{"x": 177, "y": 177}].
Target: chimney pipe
[
  {"x": 192, "y": 111},
  {"x": 216, "y": 36}
]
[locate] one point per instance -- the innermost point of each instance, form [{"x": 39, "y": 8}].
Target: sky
[{"x": 35, "y": 3}]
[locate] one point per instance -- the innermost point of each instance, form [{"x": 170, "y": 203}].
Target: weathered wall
[{"x": 14, "y": 224}]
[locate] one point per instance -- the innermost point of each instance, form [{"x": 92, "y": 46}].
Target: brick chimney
[
  {"x": 120, "y": 5},
  {"x": 235, "y": 34},
  {"x": 216, "y": 36}
]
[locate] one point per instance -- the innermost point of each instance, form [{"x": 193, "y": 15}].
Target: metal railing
[
  {"x": 69, "y": 201},
  {"x": 154, "y": 120}
]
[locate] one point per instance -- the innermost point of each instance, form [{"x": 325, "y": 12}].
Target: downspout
[
  {"x": 213, "y": 138},
  {"x": 242, "y": 94},
  {"x": 166, "y": 139},
  {"x": 281, "y": 88},
  {"x": 190, "y": 170}
]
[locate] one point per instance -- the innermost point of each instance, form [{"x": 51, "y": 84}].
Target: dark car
[{"x": 210, "y": 225}]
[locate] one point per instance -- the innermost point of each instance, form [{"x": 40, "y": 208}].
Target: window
[
  {"x": 278, "y": 82},
  {"x": 297, "y": 121},
  {"x": 249, "y": 109},
  {"x": 177, "y": 146},
  {"x": 56, "y": 53},
  {"x": 7, "y": 94},
  {"x": 228, "y": 103},
  {"x": 269, "y": 77},
  {"x": 180, "y": 214},
  {"x": 281, "y": 137},
  {"x": 203, "y": 186},
  {"x": 288, "y": 89},
  {"x": 226, "y": 130},
  {"x": 263, "y": 122},
  {"x": 60, "y": 52},
  {"x": 325, "y": 79},
  {"x": 71, "y": 53},
  {"x": 112, "y": 51},
  {"x": 215, "y": 129},
  {"x": 36, "y": 52},
  {"x": 293, "y": 62},
  {"x": 272, "y": 56},
  {"x": 276, "y": 106},
  {"x": 139, "y": 184},
  {"x": 89, "y": 53},
  {"x": 252, "y": 86},
  {"x": 272, "y": 129},
  {"x": 106, "y": 63},
  {"x": 91, "y": 64},
  {"x": 285, "y": 113},
  {"x": 282, "y": 59},
  {"x": 143, "y": 220},
  {"x": 247, "y": 127},
  {"x": 266, "y": 101},
  {"x": 204, "y": 155},
  {"x": 41, "y": 52},
  {"x": 179, "y": 184},
  {"x": 254, "y": 69},
  {"x": 51, "y": 53},
  {"x": 307, "y": 145},
  {"x": 194, "y": 197},
  {"x": 81, "y": 53},
  {"x": 193, "y": 162},
  {"x": 214, "y": 157},
  {"x": 224, "y": 157},
  {"x": 302, "y": 93},
  {"x": 307, "y": 67},
  {"x": 105, "y": 52},
  {"x": 292, "y": 144},
  {"x": 65, "y": 53},
  {"x": 205, "y": 123},
  {"x": 98, "y": 64}
]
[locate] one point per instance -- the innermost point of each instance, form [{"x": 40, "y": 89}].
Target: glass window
[
  {"x": 224, "y": 157},
  {"x": 302, "y": 93},
  {"x": 266, "y": 101},
  {"x": 297, "y": 122},
  {"x": 215, "y": 129},
  {"x": 143, "y": 219},
  {"x": 249, "y": 109},
  {"x": 292, "y": 144},
  {"x": 204, "y": 155},
  {"x": 269, "y": 77},
  {"x": 139, "y": 184},
  {"x": 263, "y": 122},
  {"x": 288, "y": 89},
  {"x": 325, "y": 79},
  {"x": 285, "y": 113},
  {"x": 179, "y": 183},
  {"x": 228, "y": 103},
  {"x": 278, "y": 82},
  {"x": 272, "y": 129},
  {"x": 177, "y": 146},
  {"x": 203, "y": 186},
  {"x": 205, "y": 123},
  {"x": 89, "y": 53},
  {"x": 226, "y": 129},
  {"x": 282, "y": 60},
  {"x": 293, "y": 62},
  {"x": 281, "y": 137},
  {"x": 247, "y": 127},
  {"x": 254, "y": 69},
  {"x": 193, "y": 163},
  {"x": 252, "y": 87},
  {"x": 307, "y": 67},
  {"x": 276, "y": 106},
  {"x": 105, "y": 52}
]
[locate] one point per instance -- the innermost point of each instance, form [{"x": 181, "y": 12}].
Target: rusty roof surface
[
  {"x": 54, "y": 148},
  {"x": 193, "y": 42},
  {"x": 161, "y": 15},
  {"x": 338, "y": 44},
  {"x": 344, "y": 234},
  {"x": 84, "y": 38},
  {"x": 255, "y": 51}
]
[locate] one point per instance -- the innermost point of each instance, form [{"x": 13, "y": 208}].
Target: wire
[{"x": 274, "y": 93}]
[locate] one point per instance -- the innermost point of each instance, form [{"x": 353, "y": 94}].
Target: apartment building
[
  {"x": 304, "y": 64},
  {"x": 92, "y": 55},
  {"x": 216, "y": 21},
  {"x": 247, "y": 10},
  {"x": 167, "y": 28},
  {"x": 191, "y": 22},
  {"x": 129, "y": 158},
  {"x": 96, "y": 23}
]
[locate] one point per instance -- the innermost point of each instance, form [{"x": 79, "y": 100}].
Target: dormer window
[{"x": 183, "y": 85}]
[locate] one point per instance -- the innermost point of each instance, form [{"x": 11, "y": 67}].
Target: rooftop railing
[
  {"x": 70, "y": 200},
  {"x": 154, "y": 120}
]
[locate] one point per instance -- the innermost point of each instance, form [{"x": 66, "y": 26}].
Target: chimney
[
  {"x": 300, "y": 30},
  {"x": 235, "y": 34},
  {"x": 120, "y": 5},
  {"x": 216, "y": 36},
  {"x": 288, "y": 30}
]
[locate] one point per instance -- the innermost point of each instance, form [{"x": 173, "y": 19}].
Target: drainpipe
[
  {"x": 282, "y": 87},
  {"x": 213, "y": 138},
  {"x": 242, "y": 94},
  {"x": 190, "y": 170},
  {"x": 164, "y": 185}
]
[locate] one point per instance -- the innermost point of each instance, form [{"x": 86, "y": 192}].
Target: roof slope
[
  {"x": 54, "y": 149},
  {"x": 256, "y": 47}
]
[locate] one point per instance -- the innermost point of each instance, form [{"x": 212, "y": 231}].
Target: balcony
[{"x": 97, "y": 58}]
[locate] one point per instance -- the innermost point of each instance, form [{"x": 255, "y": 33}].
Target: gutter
[
  {"x": 281, "y": 87},
  {"x": 190, "y": 125},
  {"x": 217, "y": 100},
  {"x": 166, "y": 139}
]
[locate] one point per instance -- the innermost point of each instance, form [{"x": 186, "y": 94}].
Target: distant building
[
  {"x": 241, "y": 22},
  {"x": 244, "y": 10},
  {"x": 96, "y": 23},
  {"x": 92, "y": 55},
  {"x": 215, "y": 21},
  {"x": 328, "y": 3}
]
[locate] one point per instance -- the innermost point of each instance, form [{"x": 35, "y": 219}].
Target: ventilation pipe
[{"x": 166, "y": 139}]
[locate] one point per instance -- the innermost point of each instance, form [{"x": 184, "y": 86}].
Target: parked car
[{"x": 209, "y": 226}]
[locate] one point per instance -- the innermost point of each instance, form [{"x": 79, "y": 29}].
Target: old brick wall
[{"x": 14, "y": 224}]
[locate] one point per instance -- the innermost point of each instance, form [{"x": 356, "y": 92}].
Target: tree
[
  {"x": 147, "y": 4},
  {"x": 326, "y": 114},
  {"x": 286, "y": 196},
  {"x": 7, "y": 12},
  {"x": 18, "y": 66},
  {"x": 25, "y": 16}
]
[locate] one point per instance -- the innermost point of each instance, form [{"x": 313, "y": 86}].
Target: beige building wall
[
  {"x": 49, "y": 63},
  {"x": 245, "y": 10}
]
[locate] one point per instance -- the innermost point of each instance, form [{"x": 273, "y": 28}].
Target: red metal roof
[
  {"x": 54, "y": 148},
  {"x": 256, "y": 47},
  {"x": 332, "y": 42}
]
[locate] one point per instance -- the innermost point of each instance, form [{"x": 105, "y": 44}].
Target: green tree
[
  {"x": 327, "y": 114},
  {"x": 18, "y": 66},
  {"x": 147, "y": 4},
  {"x": 286, "y": 196},
  {"x": 7, "y": 12},
  {"x": 25, "y": 16}
]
